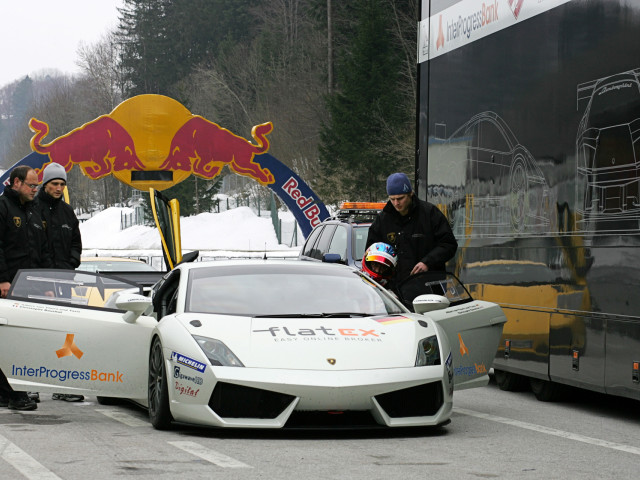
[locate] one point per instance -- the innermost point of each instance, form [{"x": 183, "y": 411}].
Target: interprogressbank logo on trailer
[{"x": 470, "y": 20}]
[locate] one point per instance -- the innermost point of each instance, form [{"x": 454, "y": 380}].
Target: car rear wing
[{"x": 585, "y": 90}]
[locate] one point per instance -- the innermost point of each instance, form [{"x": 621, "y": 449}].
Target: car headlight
[
  {"x": 428, "y": 352},
  {"x": 217, "y": 352}
]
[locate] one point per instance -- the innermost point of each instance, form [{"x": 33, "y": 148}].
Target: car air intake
[
  {"x": 235, "y": 401},
  {"x": 421, "y": 401}
]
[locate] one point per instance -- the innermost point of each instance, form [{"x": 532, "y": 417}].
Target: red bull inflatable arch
[{"x": 153, "y": 141}]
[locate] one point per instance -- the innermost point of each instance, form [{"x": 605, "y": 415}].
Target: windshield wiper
[{"x": 316, "y": 315}]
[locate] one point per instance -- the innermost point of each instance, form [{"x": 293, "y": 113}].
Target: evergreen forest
[{"x": 336, "y": 78}]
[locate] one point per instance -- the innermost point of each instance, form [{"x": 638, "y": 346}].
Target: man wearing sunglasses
[{"x": 23, "y": 244}]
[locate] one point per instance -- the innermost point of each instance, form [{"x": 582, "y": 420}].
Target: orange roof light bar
[{"x": 362, "y": 205}]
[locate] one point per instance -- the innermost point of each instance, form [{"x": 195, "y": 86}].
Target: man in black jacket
[
  {"x": 23, "y": 244},
  {"x": 418, "y": 230},
  {"x": 63, "y": 231}
]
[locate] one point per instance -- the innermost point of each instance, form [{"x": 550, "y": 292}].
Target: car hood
[{"x": 317, "y": 343}]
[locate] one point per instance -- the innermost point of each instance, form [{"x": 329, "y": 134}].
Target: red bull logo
[
  {"x": 204, "y": 148},
  {"x": 99, "y": 147},
  {"x": 152, "y": 141}
]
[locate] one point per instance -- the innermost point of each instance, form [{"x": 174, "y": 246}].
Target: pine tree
[
  {"x": 364, "y": 110},
  {"x": 163, "y": 40}
]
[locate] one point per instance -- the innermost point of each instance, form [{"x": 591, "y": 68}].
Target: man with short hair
[
  {"x": 418, "y": 230},
  {"x": 23, "y": 244},
  {"x": 63, "y": 231}
]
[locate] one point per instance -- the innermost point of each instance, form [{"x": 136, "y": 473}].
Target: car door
[
  {"x": 166, "y": 214},
  {"x": 60, "y": 332},
  {"x": 473, "y": 327}
]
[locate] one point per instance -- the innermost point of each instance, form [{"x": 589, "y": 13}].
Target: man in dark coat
[
  {"x": 418, "y": 230},
  {"x": 63, "y": 231},
  {"x": 23, "y": 244}
]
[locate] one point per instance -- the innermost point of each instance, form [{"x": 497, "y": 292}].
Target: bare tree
[{"x": 102, "y": 73}]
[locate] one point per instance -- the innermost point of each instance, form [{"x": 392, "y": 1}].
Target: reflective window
[
  {"x": 359, "y": 241},
  {"x": 339, "y": 243},
  {"x": 323, "y": 243},
  {"x": 311, "y": 241},
  {"x": 69, "y": 287}
]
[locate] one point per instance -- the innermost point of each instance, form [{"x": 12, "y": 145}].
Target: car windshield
[{"x": 281, "y": 290}]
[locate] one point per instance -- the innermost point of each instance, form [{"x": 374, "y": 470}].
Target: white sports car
[{"x": 259, "y": 343}]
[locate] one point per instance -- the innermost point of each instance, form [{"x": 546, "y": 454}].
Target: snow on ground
[{"x": 237, "y": 232}]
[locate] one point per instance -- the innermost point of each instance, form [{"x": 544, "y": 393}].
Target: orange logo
[
  {"x": 440, "y": 41},
  {"x": 463, "y": 348},
  {"x": 69, "y": 348}
]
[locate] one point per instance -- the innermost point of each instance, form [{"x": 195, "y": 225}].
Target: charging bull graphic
[
  {"x": 153, "y": 141},
  {"x": 99, "y": 147},
  {"x": 203, "y": 147}
]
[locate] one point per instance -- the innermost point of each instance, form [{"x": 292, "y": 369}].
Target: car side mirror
[
  {"x": 429, "y": 302},
  {"x": 332, "y": 258},
  {"x": 134, "y": 304}
]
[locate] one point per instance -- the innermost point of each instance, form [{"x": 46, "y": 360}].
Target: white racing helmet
[{"x": 379, "y": 262}]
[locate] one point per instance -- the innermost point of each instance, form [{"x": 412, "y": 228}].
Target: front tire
[{"x": 158, "y": 392}]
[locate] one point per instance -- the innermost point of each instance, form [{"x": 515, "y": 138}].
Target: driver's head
[{"x": 379, "y": 262}]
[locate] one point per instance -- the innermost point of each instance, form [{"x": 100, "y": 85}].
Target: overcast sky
[{"x": 45, "y": 34}]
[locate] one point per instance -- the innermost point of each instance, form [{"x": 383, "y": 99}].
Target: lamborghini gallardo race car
[{"x": 251, "y": 343}]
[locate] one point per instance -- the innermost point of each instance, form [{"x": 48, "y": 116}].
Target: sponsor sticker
[
  {"x": 322, "y": 333},
  {"x": 177, "y": 373},
  {"x": 186, "y": 390},
  {"x": 392, "y": 320},
  {"x": 188, "y": 362}
]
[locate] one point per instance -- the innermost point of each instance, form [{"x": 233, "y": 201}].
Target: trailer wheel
[
  {"x": 510, "y": 382},
  {"x": 546, "y": 391}
]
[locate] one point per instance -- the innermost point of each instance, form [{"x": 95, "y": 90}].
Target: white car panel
[{"x": 55, "y": 348}]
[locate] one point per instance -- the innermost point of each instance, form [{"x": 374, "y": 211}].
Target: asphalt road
[{"x": 493, "y": 434}]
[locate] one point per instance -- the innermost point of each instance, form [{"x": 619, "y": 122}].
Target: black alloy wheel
[{"x": 159, "y": 412}]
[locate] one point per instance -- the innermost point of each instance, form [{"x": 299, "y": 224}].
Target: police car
[{"x": 344, "y": 234}]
